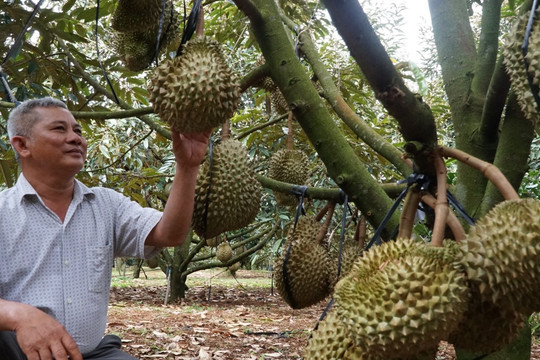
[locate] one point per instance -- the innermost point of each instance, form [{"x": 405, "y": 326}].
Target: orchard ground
[{"x": 222, "y": 318}]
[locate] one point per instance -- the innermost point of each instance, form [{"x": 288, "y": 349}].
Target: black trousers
[{"x": 108, "y": 349}]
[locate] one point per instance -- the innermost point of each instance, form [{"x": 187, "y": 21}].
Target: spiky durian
[
  {"x": 349, "y": 256},
  {"x": 224, "y": 252},
  {"x": 401, "y": 298},
  {"x": 138, "y": 15},
  {"x": 329, "y": 340},
  {"x": 214, "y": 242},
  {"x": 290, "y": 166},
  {"x": 503, "y": 325},
  {"x": 280, "y": 104},
  {"x": 304, "y": 274},
  {"x": 227, "y": 195},
  {"x": 235, "y": 267},
  {"x": 502, "y": 253},
  {"x": 196, "y": 91},
  {"x": 138, "y": 49},
  {"x": 515, "y": 65}
]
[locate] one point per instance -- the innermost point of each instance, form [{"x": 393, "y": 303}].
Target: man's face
[{"x": 56, "y": 141}]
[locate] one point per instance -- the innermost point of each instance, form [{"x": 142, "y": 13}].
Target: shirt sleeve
[{"x": 132, "y": 224}]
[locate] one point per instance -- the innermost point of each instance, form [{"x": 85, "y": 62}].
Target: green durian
[
  {"x": 515, "y": 65},
  {"x": 196, "y": 91},
  {"x": 290, "y": 166},
  {"x": 227, "y": 196},
  {"x": 224, "y": 252},
  {"x": 402, "y": 298}
]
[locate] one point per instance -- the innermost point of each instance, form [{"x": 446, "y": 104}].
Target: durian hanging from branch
[
  {"x": 143, "y": 29},
  {"x": 196, "y": 91},
  {"x": 290, "y": 166},
  {"x": 524, "y": 69},
  {"x": 305, "y": 272},
  {"x": 227, "y": 194}
]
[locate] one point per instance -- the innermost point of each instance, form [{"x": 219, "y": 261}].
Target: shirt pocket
[{"x": 99, "y": 268}]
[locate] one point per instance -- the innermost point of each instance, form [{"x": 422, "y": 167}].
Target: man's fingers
[
  {"x": 59, "y": 352},
  {"x": 45, "y": 354},
  {"x": 71, "y": 348}
]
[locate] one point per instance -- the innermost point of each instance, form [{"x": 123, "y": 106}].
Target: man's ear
[{"x": 19, "y": 143}]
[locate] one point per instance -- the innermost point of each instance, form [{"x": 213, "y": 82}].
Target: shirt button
[
  {"x": 69, "y": 300},
  {"x": 66, "y": 262}
]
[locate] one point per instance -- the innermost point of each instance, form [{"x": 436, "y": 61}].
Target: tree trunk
[{"x": 177, "y": 281}]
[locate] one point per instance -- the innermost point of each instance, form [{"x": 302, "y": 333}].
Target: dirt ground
[{"x": 217, "y": 322}]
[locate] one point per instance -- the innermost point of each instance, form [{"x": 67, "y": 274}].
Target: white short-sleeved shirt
[{"x": 65, "y": 268}]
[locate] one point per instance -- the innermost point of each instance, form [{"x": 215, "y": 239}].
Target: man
[{"x": 58, "y": 237}]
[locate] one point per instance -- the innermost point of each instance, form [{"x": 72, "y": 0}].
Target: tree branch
[
  {"x": 124, "y": 105},
  {"x": 493, "y": 106},
  {"x": 488, "y": 45},
  {"x": 414, "y": 117},
  {"x": 343, "y": 110},
  {"x": 290, "y": 76}
]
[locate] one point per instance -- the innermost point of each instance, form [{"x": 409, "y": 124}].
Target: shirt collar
[{"x": 24, "y": 189}]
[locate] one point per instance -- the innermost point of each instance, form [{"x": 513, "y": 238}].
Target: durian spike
[
  {"x": 490, "y": 171},
  {"x": 441, "y": 206},
  {"x": 452, "y": 220},
  {"x": 326, "y": 224},
  {"x": 290, "y": 137},
  {"x": 408, "y": 213}
]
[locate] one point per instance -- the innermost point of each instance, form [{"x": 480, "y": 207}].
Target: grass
[{"x": 214, "y": 277}]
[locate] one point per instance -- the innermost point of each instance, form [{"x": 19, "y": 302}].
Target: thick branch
[
  {"x": 253, "y": 77},
  {"x": 344, "y": 111},
  {"x": 331, "y": 194},
  {"x": 414, "y": 117},
  {"x": 290, "y": 76},
  {"x": 487, "y": 46},
  {"x": 494, "y": 104}
]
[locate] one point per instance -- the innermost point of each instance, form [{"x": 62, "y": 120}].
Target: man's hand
[
  {"x": 189, "y": 149},
  {"x": 39, "y": 335}
]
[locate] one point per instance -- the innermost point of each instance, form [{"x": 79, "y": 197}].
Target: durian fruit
[
  {"x": 515, "y": 66},
  {"x": 214, "y": 242},
  {"x": 329, "y": 340},
  {"x": 153, "y": 262},
  {"x": 402, "y": 298},
  {"x": 349, "y": 256},
  {"x": 227, "y": 196},
  {"x": 224, "y": 252},
  {"x": 196, "y": 91},
  {"x": 290, "y": 166},
  {"x": 138, "y": 15},
  {"x": 486, "y": 327},
  {"x": 304, "y": 274},
  {"x": 137, "y": 49},
  {"x": 502, "y": 253},
  {"x": 235, "y": 267},
  {"x": 278, "y": 100}
]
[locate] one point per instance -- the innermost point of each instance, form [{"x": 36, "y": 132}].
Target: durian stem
[
  {"x": 441, "y": 205},
  {"x": 199, "y": 30},
  {"x": 490, "y": 171},
  {"x": 226, "y": 130},
  {"x": 290, "y": 138},
  {"x": 452, "y": 220},
  {"x": 361, "y": 232},
  {"x": 324, "y": 229},
  {"x": 322, "y": 212},
  {"x": 408, "y": 214}
]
